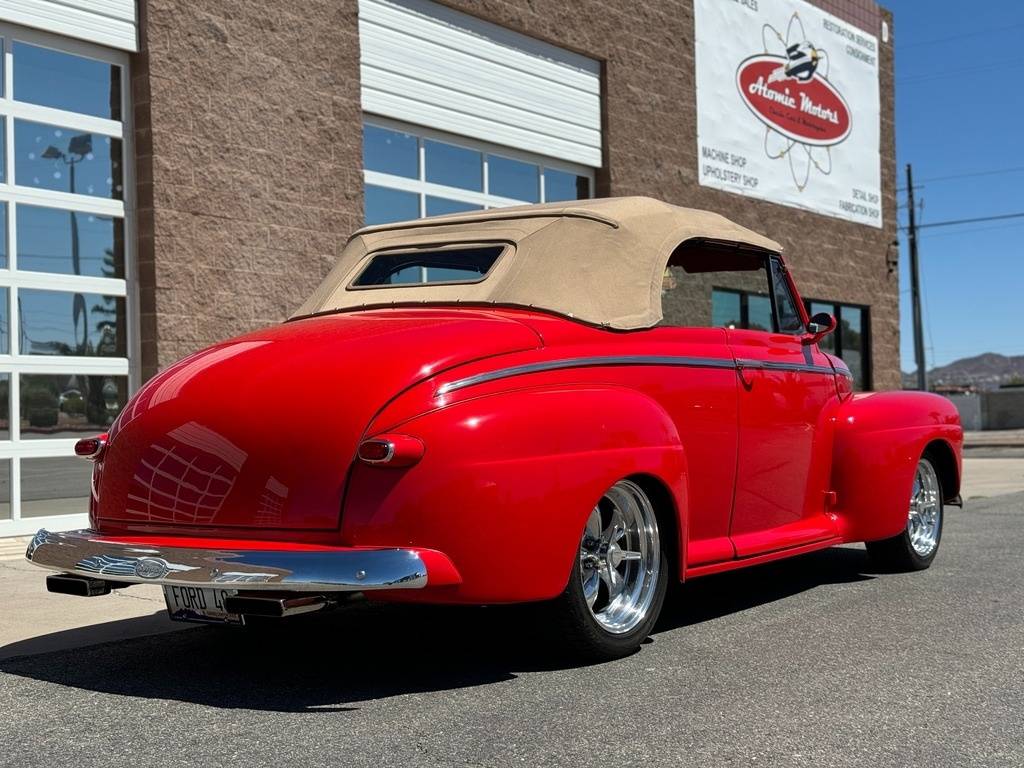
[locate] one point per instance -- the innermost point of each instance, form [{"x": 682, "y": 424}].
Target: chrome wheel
[
  {"x": 924, "y": 520},
  {"x": 620, "y": 558}
]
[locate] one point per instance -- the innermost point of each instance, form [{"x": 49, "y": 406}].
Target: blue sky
[{"x": 960, "y": 110}]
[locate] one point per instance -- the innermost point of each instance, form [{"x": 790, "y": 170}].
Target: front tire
[
  {"x": 915, "y": 547},
  {"x": 617, "y": 586}
]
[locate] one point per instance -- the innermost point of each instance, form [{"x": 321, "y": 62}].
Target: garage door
[{"x": 426, "y": 64}]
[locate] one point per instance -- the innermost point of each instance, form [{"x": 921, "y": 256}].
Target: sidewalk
[
  {"x": 36, "y": 621},
  {"x": 996, "y": 438}
]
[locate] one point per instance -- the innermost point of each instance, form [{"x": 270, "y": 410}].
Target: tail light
[
  {"x": 91, "y": 447},
  {"x": 391, "y": 450}
]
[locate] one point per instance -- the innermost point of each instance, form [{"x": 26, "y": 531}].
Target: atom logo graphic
[{"x": 787, "y": 88}]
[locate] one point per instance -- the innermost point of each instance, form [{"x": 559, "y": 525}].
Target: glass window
[
  {"x": 64, "y": 81},
  {"x": 513, "y": 178},
  {"x": 61, "y": 323},
  {"x": 65, "y": 160},
  {"x": 3, "y": 236},
  {"x": 851, "y": 322},
  {"x": 385, "y": 205},
  {"x": 726, "y": 309},
  {"x": 408, "y": 175},
  {"x": 438, "y": 206},
  {"x": 789, "y": 317},
  {"x": 849, "y": 341},
  {"x": 49, "y": 251},
  {"x": 559, "y": 185},
  {"x": 453, "y": 166},
  {"x": 5, "y": 489},
  {"x": 453, "y": 265},
  {"x": 5, "y": 321},
  {"x": 55, "y": 486},
  {"x": 759, "y": 313},
  {"x": 391, "y": 152},
  {"x": 69, "y": 242},
  {"x": 5, "y": 406},
  {"x": 69, "y": 405},
  {"x": 827, "y": 344}
]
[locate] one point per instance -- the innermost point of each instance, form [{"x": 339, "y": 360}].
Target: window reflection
[
  {"x": 438, "y": 206},
  {"x": 55, "y": 486},
  {"x": 69, "y": 242},
  {"x": 63, "y": 160},
  {"x": 385, "y": 205},
  {"x": 5, "y": 489},
  {"x": 64, "y": 81},
  {"x": 391, "y": 152},
  {"x": 62, "y": 323},
  {"x": 827, "y": 344},
  {"x": 5, "y": 406},
  {"x": 725, "y": 309},
  {"x": 559, "y": 185},
  {"x": 513, "y": 179},
  {"x": 69, "y": 405},
  {"x": 3, "y": 236},
  {"x": 5, "y": 322},
  {"x": 853, "y": 343},
  {"x": 849, "y": 341},
  {"x": 453, "y": 166}
]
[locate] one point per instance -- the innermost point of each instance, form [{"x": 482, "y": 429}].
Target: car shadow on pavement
[{"x": 364, "y": 652}]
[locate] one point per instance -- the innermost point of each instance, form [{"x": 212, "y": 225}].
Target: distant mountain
[{"x": 987, "y": 371}]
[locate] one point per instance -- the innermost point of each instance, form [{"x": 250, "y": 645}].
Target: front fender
[
  {"x": 507, "y": 481},
  {"x": 878, "y": 440}
]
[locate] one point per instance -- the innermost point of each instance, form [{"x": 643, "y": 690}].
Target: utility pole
[{"x": 915, "y": 287}]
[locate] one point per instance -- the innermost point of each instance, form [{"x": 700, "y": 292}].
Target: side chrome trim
[
  {"x": 623, "y": 360},
  {"x": 585, "y": 362},
  {"x": 86, "y": 553},
  {"x": 797, "y": 367}
]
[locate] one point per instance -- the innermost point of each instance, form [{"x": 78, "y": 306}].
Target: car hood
[{"x": 260, "y": 431}]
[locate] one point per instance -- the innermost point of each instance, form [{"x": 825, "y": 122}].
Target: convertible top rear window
[{"x": 428, "y": 267}]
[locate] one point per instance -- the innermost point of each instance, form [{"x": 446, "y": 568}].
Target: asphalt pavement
[{"x": 818, "y": 661}]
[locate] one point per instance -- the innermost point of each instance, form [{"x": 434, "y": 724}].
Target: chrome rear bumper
[{"x": 87, "y": 553}]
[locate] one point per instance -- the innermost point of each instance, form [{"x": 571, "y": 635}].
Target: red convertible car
[{"x": 570, "y": 404}]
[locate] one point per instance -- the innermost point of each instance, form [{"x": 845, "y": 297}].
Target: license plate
[{"x": 199, "y": 604}]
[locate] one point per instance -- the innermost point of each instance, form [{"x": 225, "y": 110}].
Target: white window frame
[
  {"x": 423, "y": 188},
  {"x": 15, "y": 362}
]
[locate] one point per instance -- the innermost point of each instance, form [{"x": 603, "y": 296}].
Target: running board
[{"x": 767, "y": 557}]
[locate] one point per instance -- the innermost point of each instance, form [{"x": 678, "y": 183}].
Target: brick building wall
[
  {"x": 249, "y": 163},
  {"x": 249, "y": 168}
]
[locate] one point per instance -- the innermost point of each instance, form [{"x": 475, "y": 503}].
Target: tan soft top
[{"x": 601, "y": 261}]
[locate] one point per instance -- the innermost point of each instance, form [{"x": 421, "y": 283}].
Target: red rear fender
[{"x": 507, "y": 481}]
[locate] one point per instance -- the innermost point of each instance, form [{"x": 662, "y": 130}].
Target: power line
[
  {"x": 966, "y": 175},
  {"x": 955, "y": 222},
  {"x": 977, "y": 33},
  {"x": 974, "y": 230},
  {"x": 927, "y": 77}
]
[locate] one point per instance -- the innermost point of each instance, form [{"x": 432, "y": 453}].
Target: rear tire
[
  {"x": 617, "y": 586},
  {"x": 915, "y": 547}
]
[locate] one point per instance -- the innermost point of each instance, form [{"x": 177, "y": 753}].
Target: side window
[
  {"x": 789, "y": 317},
  {"x": 421, "y": 267},
  {"x": 709, "y": 285}
]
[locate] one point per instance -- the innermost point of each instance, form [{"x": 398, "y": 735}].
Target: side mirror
[{"x": 820, "y": 326}]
